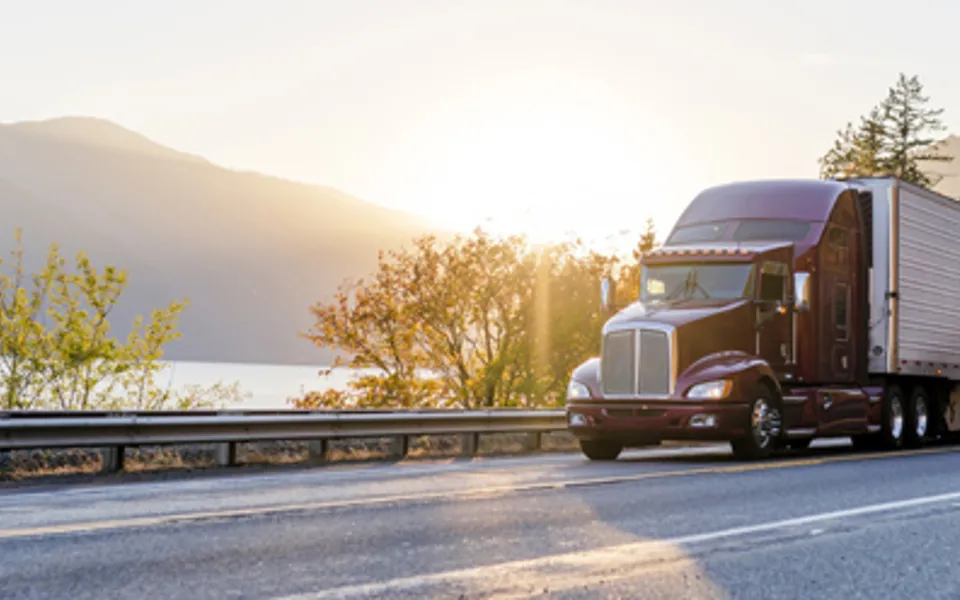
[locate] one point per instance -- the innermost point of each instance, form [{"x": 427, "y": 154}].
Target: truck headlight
[
  {"x": 577, "y": 391},
  {"x": 711, "y": 390}
]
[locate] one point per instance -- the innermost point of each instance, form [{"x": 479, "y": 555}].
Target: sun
[{"x": 549, "y": 162}]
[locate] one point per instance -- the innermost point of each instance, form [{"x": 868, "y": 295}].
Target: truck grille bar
[{"x": 636, "y": 362}]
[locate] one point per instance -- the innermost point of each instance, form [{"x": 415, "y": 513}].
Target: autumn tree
[
  {"x": 894, "y": 139},
  {"x": 455, "y": 309},
  {"x": 477, "y": 322},
  {"x": 23, "y": 337},
  {"x": 564, "y": 319},
  {"x": 57, "y": 349}
]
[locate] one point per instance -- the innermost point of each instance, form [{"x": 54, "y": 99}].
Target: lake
[{"x": 266, "y": 386}]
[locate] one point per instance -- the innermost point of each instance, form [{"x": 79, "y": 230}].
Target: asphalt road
[{"x": 688, "y": 523}]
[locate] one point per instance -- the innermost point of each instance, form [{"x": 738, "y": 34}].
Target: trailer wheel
[
  {"x": 763, "y": 427},
  {"x": 601, "y": 449},
  {"x": 917, "y": 418},
  {"x": 892, "y": 419}
]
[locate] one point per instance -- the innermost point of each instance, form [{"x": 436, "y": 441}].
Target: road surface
[{"x": 681, "y": 523}]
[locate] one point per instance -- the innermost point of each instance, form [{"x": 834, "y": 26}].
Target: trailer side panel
[{"x": 928, "y": 341}]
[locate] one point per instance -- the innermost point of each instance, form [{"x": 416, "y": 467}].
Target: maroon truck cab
[{"x": 751, "y": 328}]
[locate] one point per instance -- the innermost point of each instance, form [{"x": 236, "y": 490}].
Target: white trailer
[{"x": 914, "y": 290}]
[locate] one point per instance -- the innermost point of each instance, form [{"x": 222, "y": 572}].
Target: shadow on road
[{"x": 723, "y": 456}]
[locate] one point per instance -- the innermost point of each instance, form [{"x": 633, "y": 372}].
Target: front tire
[
  {"x": 601, "y": 449},
  {"x": 763, "y": 427}
]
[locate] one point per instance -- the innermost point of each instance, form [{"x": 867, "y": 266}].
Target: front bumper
[{"x": 643, "y": 421}]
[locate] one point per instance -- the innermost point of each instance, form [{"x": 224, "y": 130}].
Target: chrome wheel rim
[
  {"x": 765, "y": 422},
  {"x": 896, "y": 418},
  {"x": 920, "y": 414}
]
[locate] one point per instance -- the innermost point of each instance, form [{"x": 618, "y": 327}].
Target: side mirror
[
  {"x": 801, "y": 291},
  {"x": 608, "y": 292}
]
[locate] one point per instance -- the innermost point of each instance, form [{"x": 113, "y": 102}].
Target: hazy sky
[{"x": 548, "y": 116}]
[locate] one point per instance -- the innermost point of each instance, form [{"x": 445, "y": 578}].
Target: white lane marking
[
  {"x": 345, "y": 473},
  {"x": 518, "y": 577},
  {"x": 447, "y": 495}
]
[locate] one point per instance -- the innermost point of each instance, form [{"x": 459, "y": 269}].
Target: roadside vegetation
[
  {"x": 477, "y": 322},
  {"x": 57, "y": 349}
]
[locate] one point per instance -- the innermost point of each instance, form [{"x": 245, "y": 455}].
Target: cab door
[
  {"x": 836, "y": 290},
  {"x": 774, "y": 334}
]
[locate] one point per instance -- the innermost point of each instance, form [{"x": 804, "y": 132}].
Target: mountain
[
  {"x": 250, "y": 251},
  {"x": 949, "y": 170}
]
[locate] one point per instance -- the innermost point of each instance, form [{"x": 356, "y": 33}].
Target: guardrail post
[
  {"x": 317, "y": 450},
  {"x": 113, "y": 459},
  {"x": 399, "y": 447},
  {"x": 227, "y": 454},
  {"x": 534, "y": 442},
  {"x": 470, "y": 443}
]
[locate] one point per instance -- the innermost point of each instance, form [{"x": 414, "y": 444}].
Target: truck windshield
[{"x": 707, "y": 281}]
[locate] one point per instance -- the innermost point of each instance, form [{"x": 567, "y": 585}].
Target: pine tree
[
  {"x": 870, "y": 144},
  {"x": 909, "y": 124},
  {"x": 839, "y": 161},
  {"x": 895, "y": 138}
]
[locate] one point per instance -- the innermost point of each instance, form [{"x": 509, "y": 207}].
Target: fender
[
  {"x": 745, "y": 370},
  {"x": 588, "y": 373}
]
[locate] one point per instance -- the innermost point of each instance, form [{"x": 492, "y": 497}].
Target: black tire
[
  {"x": 891, "y": 435},
  {"x": 917, "y": 419},
  {"x": 601, "y": 449},
  {"x": 764, "y": 427}
]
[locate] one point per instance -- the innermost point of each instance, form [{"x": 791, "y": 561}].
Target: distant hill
[
  {"x": 950, "y": 184},
  {"x": 250, "y": 251}
]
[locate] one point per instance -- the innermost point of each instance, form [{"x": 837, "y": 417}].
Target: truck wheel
[
  {"x": 763, "y": 428},
  {"x": 601, "y": 449},
  {"x": 916, "y": 430},
  {"x": 892, "y": 424},
  {"x": 892, "y": 419}
]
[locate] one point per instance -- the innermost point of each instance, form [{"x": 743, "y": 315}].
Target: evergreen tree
[
  {"x": 909, "y": 128},
  {"x": 895, "y": 138},
  {"x": 839, "y": 160}
]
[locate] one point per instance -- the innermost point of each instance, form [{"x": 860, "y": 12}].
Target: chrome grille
[
  {"x": 654, "y": 367},
  {"x": 618, "y": 365},
  {"x": 636, "y": 362}
]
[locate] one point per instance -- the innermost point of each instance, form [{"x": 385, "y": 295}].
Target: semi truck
[{"x": 780, "y": 311}]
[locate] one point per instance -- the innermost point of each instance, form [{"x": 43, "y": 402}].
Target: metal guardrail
[{"x": 117, "y": 430}]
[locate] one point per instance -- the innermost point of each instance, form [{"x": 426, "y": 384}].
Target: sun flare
[{"x": 550, "y": 162}]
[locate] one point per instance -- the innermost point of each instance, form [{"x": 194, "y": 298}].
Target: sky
[{"x": 549, "y": 118}]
